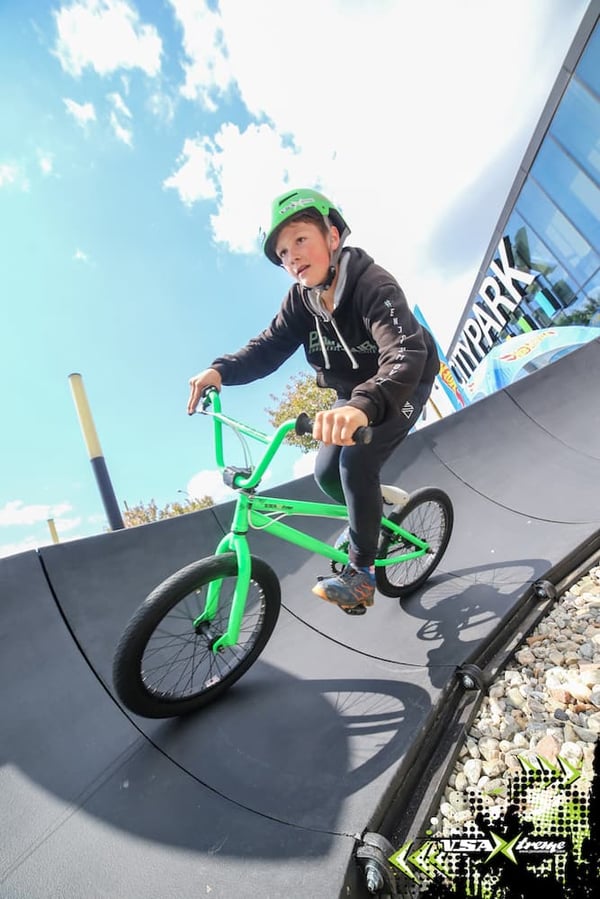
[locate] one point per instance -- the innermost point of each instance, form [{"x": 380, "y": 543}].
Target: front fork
[{"x": 234, "y": 542}]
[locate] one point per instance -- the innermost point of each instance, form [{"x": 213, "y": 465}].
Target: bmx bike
[{"x": 203, "y": 627}]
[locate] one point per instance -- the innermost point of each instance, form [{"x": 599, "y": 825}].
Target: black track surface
[{"x": 263, "y": 793}]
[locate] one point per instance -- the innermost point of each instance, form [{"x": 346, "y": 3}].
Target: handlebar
[
  {"x": 304, "y": 425},
  {"x": 251, "y": 478}
]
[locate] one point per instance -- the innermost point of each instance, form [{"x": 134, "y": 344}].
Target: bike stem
[{"x": 272, "y": 443}]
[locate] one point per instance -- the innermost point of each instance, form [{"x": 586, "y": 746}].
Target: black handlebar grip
[
  {"x": 304, "y": 425},
  {"x": 206, "y": 396},
  {"x": 363, "y": 435}
]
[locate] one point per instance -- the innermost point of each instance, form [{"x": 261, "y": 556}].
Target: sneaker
[{"x": 353, "y": 589}]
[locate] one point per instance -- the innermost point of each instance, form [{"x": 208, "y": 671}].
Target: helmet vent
[{"x": 286, "y": 198}]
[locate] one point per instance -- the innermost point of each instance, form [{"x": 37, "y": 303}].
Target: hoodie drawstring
[
  {"x": 322, "y": 342},
  {"x": 344, "y": 344},
  {"x": 347, "y": 349}
]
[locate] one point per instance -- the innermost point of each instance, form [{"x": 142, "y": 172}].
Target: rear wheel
[
  {"x": 428, "y": 515},
  {"x": 164, "y": 666}
]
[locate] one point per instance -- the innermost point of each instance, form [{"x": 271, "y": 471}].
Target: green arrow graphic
[
  {"x": 399, "y": 860},
  {"x": 568, "y": 769}
]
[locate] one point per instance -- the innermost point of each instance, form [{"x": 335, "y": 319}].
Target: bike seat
[{"x": 394, "y": 496}]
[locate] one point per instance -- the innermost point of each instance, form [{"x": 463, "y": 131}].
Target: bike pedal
[{"x": 356, "y": 610}]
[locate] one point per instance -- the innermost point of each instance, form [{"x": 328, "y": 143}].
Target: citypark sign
[{"x": 500, "y": 295}]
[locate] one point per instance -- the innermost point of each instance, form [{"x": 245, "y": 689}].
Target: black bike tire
[
  {"x": 399, "y": 514},
  {"x": 128, "y": 659}
]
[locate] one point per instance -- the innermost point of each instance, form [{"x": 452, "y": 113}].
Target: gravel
[{"x": 546, "y": 703}]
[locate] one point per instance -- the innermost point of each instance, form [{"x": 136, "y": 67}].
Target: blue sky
[{"x": 141, "y": 145}]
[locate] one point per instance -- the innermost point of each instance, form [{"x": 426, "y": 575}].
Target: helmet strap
[
  {"x": 334, "y": 258},
  {"x": 328, "y": 280}
]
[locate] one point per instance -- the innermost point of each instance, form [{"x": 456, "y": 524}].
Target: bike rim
[
  {"x": 428, "y": 522},
  {"x": 178, "y": 663}
]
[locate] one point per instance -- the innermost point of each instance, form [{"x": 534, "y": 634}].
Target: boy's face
[{"x": 304, "y": 251}]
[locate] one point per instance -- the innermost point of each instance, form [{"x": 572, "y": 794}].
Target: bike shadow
[
  {"x": 457, "y": 621},
  {"x": 319, "y": 753}
]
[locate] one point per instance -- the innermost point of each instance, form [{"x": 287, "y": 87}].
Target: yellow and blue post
[{"x": 88, "y": 429}]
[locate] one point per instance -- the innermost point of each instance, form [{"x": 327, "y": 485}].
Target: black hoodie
[{"x": 376, "y": 353}]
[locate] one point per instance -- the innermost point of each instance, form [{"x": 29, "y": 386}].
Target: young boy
[{"x": 361, "y": 338}]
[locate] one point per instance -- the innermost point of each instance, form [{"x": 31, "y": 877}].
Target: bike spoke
[
  {"x": 178, "y": 661},
  {"x": 427, "y": 521}
]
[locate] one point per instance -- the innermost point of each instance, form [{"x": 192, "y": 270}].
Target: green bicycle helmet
[{"x": 289, "y": 204}]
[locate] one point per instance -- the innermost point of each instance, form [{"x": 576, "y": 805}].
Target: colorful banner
[
  {"x": 519, "y": 356},
  {"x": 445, "y": 377}
]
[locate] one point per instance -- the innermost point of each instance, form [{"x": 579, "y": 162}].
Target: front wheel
[
  {"x": 165, "y": 666},
  {"x": 428, "y": 515}
]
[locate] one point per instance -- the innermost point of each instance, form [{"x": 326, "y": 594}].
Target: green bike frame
[{"x": 255, "y": 511}]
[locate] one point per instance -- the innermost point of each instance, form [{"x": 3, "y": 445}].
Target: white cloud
[
  {"x": 398, "y": 121},
  {"x": 194, "y": 179},
  {"x": 21, "y": 546},
  {"x": 66, "y": 524},
  {"x": 119, "y": 104},
  {"x": 45, "y": 162},
  {"x": 105, "y": 35},
  {"x": 119, "y": 112},
  {"x": 121, "y": 132},
  {"x": 81, "y": 112},
  {"x": 80, "y": 256},
  {"x": 249, "y": 166},
  {"x": 9, "y": 173},
  {"x": 305, "y": 465},
  {"x": 162, "y": 106},
  {"x": 63, "y": 525},
  {"x": 209, "y": 483},
  {"x": 12, "y": 175},
  {"x": 96, "y": 519},
  {"x": 206, "y": 68},
  {"x": 16, "y": 513},
  {"x": 84, "y": 113},
  {"x": 239, "y": 169}
]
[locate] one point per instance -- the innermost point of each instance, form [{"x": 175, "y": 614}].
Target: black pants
[{"x": 350, "y": 475}]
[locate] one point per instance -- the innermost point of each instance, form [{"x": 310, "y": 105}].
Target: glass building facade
[{"x": 551, "y": 230}]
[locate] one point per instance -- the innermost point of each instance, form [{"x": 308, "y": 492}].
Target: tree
[
  {"x": 145, "y": 513},
  {"x": 301, "y": 394},
  {"x": 585, "y": 315}
]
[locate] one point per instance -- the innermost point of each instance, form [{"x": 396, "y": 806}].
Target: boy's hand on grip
[
  {"x": 338, "y": 426},
  {"x": 207, "y": 378}
]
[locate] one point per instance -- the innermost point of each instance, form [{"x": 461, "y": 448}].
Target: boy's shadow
[{"x": 459, "y": 622}]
